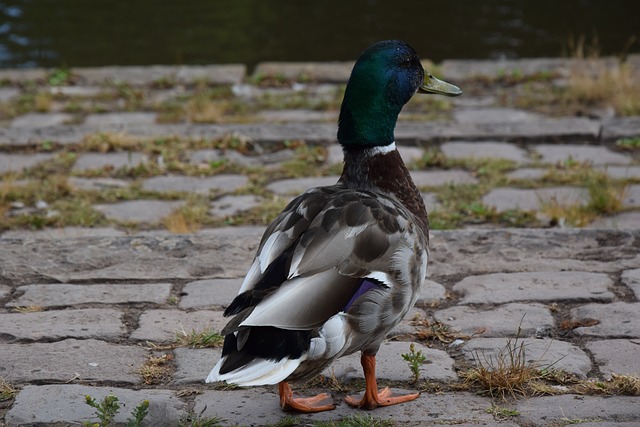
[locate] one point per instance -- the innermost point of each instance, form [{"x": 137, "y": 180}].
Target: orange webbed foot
[{"x": 307, "y": 405}]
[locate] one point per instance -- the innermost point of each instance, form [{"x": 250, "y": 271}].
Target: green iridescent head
[{"x": 386, "y": 75}]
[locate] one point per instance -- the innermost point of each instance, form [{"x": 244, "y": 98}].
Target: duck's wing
[{"x": 312, "y": 259}]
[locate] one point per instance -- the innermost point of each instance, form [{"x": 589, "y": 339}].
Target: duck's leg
[
  {"x": 288, "y": 403},
  {"x": 372, "y": 397}
]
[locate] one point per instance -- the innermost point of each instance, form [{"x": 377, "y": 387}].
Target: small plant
[
  {"x": 198, "y": 420},
  {"x": 356, "y": 421},
  {"x": 7, "y": 391},
  {"x": 59, "y": 76},
  {"x": 501, "y": 413},
  {"x": 414, "y": 359},
  {"x": 630, "y": 144},
  {"x": 108, "y": 407}
]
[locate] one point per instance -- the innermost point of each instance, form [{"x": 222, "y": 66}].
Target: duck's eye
[{"x": 406, "y": 63}]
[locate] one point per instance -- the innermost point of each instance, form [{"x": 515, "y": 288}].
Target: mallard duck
[{"x": 341, "y": 265}]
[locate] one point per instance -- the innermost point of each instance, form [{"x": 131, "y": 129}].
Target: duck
[{"x": 341, "y": 265}]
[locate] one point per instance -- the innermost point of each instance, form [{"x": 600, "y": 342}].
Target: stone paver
[
  {"x": 71, "y": 359},
  {"x": 233, "y": 205},
  {"x": 539, "y": 353},
  {"x": 8, "y": 93},
  {"x": 40, "y": 120},
  {"x": 112, "y": 161},
  {"x": 508, "y": 320},
  {"x": 60, "y": 295},
  {"x": 20, "y": 162},
  {"x": 616, "y": 356},
  {"x": 194, "y": 364},
  {"x": 622, "y": 172},
  {"x": 631, "y": 196},
  {"x": 535, "y": 286},
  {"x": 527, "y": 174},
  {"x": 61, "y": 233},
  {"x": 52, "y": 325},
  {"x": 615, "y": 320},
  {"x": 625, "y": 220},
  {"x": 97, "y": 184},
  {"x": 163, "y": 325},
  {"x": 209, "y": 293},
  {"x": 437, "y": 178},
  {"x": 49, "y": 404},
  {"x": 494, "y": 115},
  {"x": 503, "y": 199},
  {"x": 108, "y": 119},
  {"x": 259, "y": 407},
  {"x": 483, "y": 149},
  {"x": 596, "y": 155},
  {"x": 631, "y": 278},
  {"x": 549, "y": 410},
  {"x": 149, "y": 211},
  {"x": 196, "y": 185}
]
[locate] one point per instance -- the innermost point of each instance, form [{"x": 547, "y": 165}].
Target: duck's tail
[{"x": 257, "y": 372}]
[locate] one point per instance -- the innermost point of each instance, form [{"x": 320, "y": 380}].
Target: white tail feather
[{"x": 257, "y": 372}]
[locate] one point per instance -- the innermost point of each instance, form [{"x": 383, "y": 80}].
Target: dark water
[{"x": 75, "y": 33}]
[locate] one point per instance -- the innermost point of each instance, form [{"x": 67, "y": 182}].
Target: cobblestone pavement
[{"x": 133, "y": 199}]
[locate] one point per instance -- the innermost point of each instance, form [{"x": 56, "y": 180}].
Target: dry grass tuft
[
  {"x": 156, "y": 369},
  {"x": 7, "y": 391},
  {"x": 104, "y": 142},
  {"x": 28, "y": 309},
  {"x": 199, "y": 338},
  {"x": 507, "y": 374},
  {"x": 628, "y": 385}
]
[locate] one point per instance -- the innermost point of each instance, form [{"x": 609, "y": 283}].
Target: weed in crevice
[
  {"x": 7, "y": 391},
  {"x": 414, "y": 359},
  {"x": 199, "y": 338},
  {"x": 502, "y": 413},
  {"x": 156, "y": 369},
  {"x": 108, "y": 407},
  {"x": 192, "y": 419}
]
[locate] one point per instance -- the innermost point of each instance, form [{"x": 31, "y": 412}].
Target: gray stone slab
[
  {"x": 616, "y": 320},
  {"x": 504, "y": 199},
  {"x": 96, "y": 184},
  {"x": 430, "y": 201},
  {"x": 77, "y": 91},
  {"x": 40, "y": 120},
  {"x": 572, "y": 409},
  {"x": 8, "y": 93},
  {"x": 390, "y": 365},
  {"x": 595, "y": 155},
  {"x": 212, "y": 293},
  {"x": 483, "y": 150},
  {"x": 194, "y": 364},
  {"x": 223, "y": 182},
  {"x": 304, "y": 116},
  {"x": 260, "y": 407},
  {"x": 529, "y": 174},
  {"x": 137, "y": 75},
  {"x": 116, "y": 160},
  {"x": 625, "y": 220},
  {"x": 58, "y": 324},
  {"x": 4, "y": 291},
  {"x": 65, "y": 404},
  {"x": 509, "y": 320},
  {"x": 163, "y": 325},
  {"x": 62, "y": 233},
  {"x": 539, "y": 353},
  {"x": 296, "y": 186},
  {"x": 233, "y": 205},
  {"x": 616, "y": 356},
  {"x": 458, "y": 69},
  {"x": 620, "y": 127},
  {"x": 494, "y": 115},
  {"x": 436, "y": 178},
  {"x": 62, "y": 361},
  {"x": 431, "y": 292},
  {"x": 631, "y": 278},
  {"x": 61, "y": 294},
  {"x": 335, "y": 72},
  {"x": 20, "y": 162},
  {"x": 203, "y": 157},
  {"x": 631, "y": 196},
  {"x": 128, "y": 118},
  {"x": 622, "y": 172},
  {"x": 219, "y": 253},
  {"x": 500, "y": 288},
  {"x": 149, "y": 211}
]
